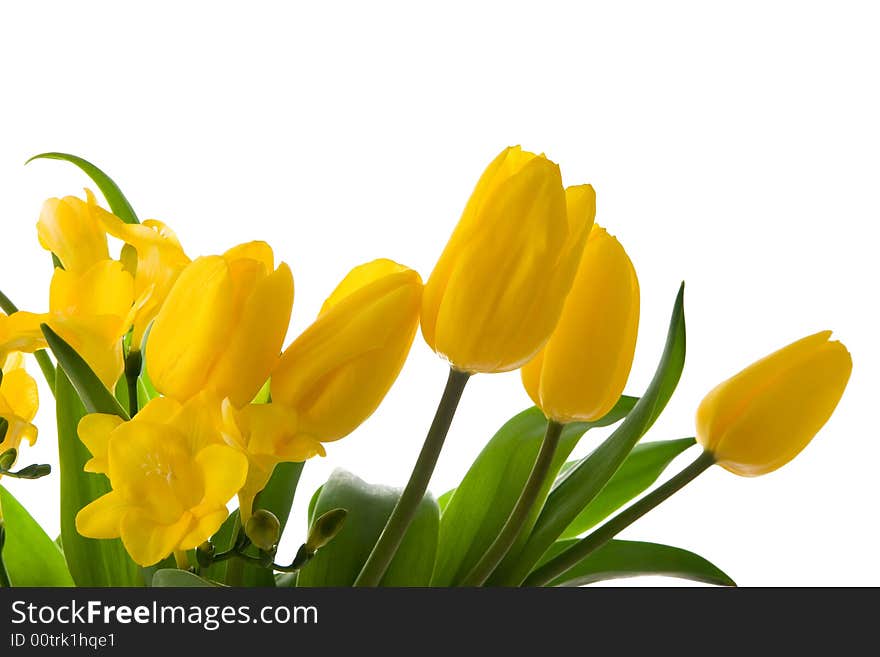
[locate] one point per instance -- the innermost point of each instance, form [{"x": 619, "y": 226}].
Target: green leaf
[
  {"x": 172, "y": 577},
  {"x": 313, "y": 502},
  {"x": 640, "y": 469},
  {"x": 618, "y": 559},
  {"x": 443, "y": 500},
  {"x": 482, "y": 502},
  {"x": 119, "y": 205},
  {"x": 339, "y": 562},
  {"x": 92, "y": 562},
  {"x": 223, "y": 539},
  {"x": 278, "y": 494},
  {"x": 31, "y": 557},
  {"x": 583, "y": 482},
  {"x": 93, "y": 394}
]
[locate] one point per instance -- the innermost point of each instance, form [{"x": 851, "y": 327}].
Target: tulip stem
[
  {"x": 406, "y": 507},
  {"x": 515, "y": 522},
  {"x": 41, "y": 355},
  {"x": 586, "y": 546}
]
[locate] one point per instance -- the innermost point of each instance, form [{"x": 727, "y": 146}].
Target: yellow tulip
[
  {"x": 337, "y": 372},
  {"x": 18, "y": 403},
  {"x": 498, "y": 288},
  {"x": 268, "y": 434},
  {"x": 171, "y": 475},
  {"x": 580, "y": 373},
  {"x": 222, "y": 325},
  {"x": 155, "y": 258},
  {"x": 73, "y": 230},
  {"x": 761, "y": 418}
]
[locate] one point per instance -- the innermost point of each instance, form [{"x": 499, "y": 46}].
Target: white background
[{"x": 734, "y": 148}]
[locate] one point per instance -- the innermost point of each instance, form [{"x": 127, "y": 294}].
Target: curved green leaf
[
  {"x": 31, "y": 557},
  {"x": 480, "y": 505},
  {"x": 119, "y": 205},
  {"x": 339, "y": 562},
  {"x": 618, "y": 559},
  {"x": 171, "y": 577},
  {"x": 94, "y": 395},
  {"x": 92, "y": 562},
  {"x": 640, "y": 469},
  {"x": 582, "y": 483},
  {"x": 443, "y": 500}
]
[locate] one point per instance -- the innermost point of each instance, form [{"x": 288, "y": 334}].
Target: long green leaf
[
  {"x": 581, "y": 484},
  {"x": 640, "y": 469},
  {"x": 618, "y": 559},
  {"x": 92, "y": 562},
  {"x": 339, "y": 562},
  {"x": 94, "y": 395},
  {"x": 31, "y": 557},
  {"x": 119, "y": 205},
  {"x": 480, "y": 505},
  {"x": 171, "y": 577}
]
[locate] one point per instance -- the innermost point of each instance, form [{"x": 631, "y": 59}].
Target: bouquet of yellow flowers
[{"x": 175, "y": 396}]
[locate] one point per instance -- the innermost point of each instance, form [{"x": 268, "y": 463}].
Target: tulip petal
[
  {"x": 72, "y": 229},
  {"x": 19, "y": 390},
  {"x": 224, "y": 470},
  {"x": 203, "y": 528},
  {"x": 252, "y": 350},
  {"x": 190, "y": 330}
]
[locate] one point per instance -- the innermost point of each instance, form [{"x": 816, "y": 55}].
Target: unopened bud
[
  {"x": 4, "y": 426},
  {"x": 205, "y": 554},
  {"x": 263, "y": 529},
  {"x": 7, "y": 459},
  {"x": 34, "y": 471},
  {"x": 325, "y": 528}
]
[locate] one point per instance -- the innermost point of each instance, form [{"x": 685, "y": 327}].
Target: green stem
[
  {"x": 133, "y": 364},
  {"x": 515, "y": 522},
  {"x": 43, "y": 359},
  {"x": 586, "y": 546},
  {"x": 405, "y": 509},
  {"x": 5, "y": 582},
  {"x": 235, "y": 568}
]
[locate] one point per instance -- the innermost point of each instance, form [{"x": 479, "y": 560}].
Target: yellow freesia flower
[
  {"x": 497, "y": 290},
  {"x": 337, "y": 372},
  {"x": 19, "y": 401},
  {"x": 761, "y": 418},
  {"x": 91, "y": 310},
  {"x": 155, "y": 258},
  {"x": 222, "y": 325},
  {"x": 73, "y": 230},
  {"x": 268, "y": 434},
  {"x": 171, "y": 474},
  {"x": 580, "y": 373}
]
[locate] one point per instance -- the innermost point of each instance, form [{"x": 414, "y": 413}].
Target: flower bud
[
  {"x": 263, "y": 529},
  {"x": 325, "y": 529},
  {"x": 222, "y": 325},
  {"x": 205, "y": 554},
  {"x": 580, "y": 373},
  {"x": 760, "y": 419},
  {"x": 338, "y": 371},
  {"x": 497, "y": 289},
  {"x": 7, "y": 459}
]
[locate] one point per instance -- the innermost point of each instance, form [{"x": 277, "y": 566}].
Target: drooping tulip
[
  {"x": 760, "y": 419},
  {"x": 580, "y": 373},
  {"x": 338, "y": 371},
  {"x": 222, "y": 325},
  {"x": 498, "y": 288},
  {"x": 171, "y": 474}
]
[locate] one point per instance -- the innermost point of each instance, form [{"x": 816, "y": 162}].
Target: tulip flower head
[
  {"x": 497, "y": 290},
  {"x": 760, "y": 419},
  {"x": 338, "y": 371},
  {"x": 171, "y": 472},
  {"x": 580, "y": 373},
  {"x": 19, "y": 401},
  {"x": 222, "y": 325}
]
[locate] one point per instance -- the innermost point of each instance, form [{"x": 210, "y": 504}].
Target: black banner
[{"x": 419, "y": 621}]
